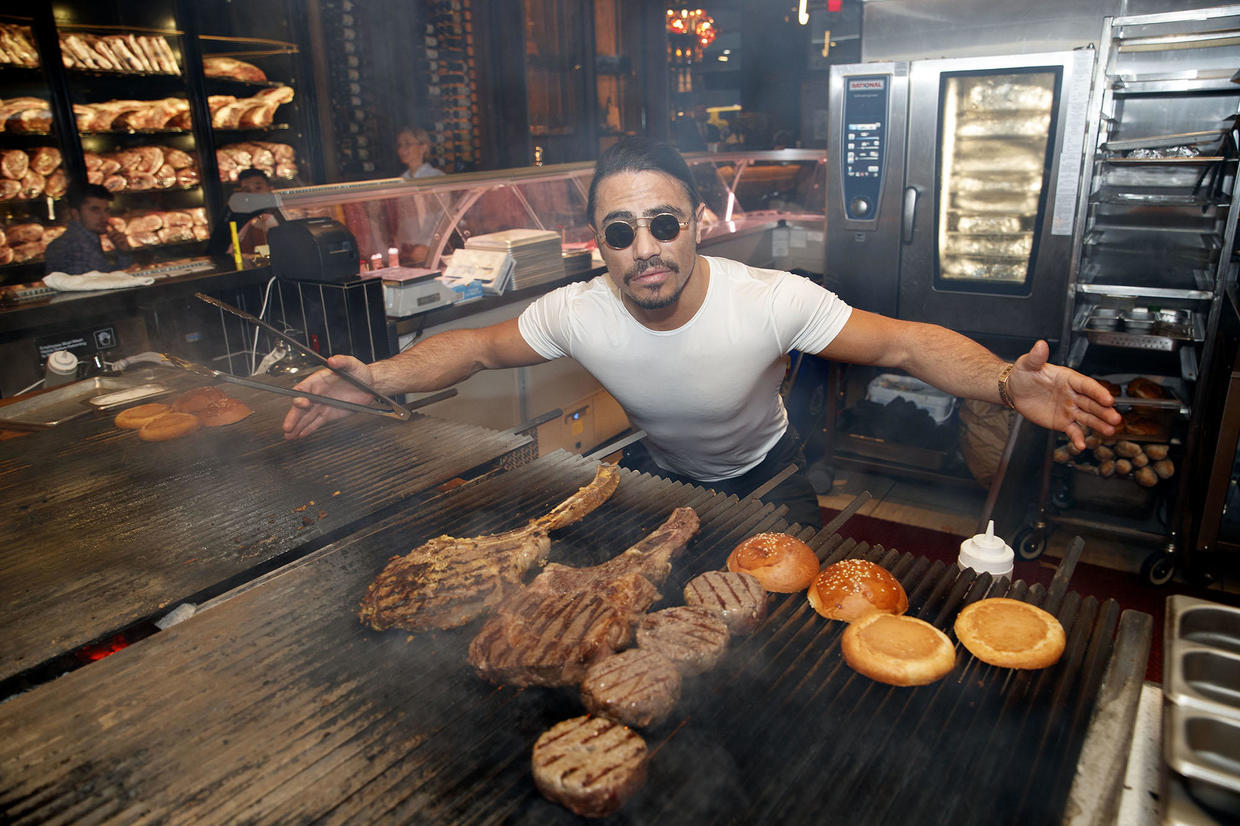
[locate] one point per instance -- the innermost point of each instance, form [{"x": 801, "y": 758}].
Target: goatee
[{"x": 658, "y": 302}]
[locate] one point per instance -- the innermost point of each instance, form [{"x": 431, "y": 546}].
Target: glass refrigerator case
[{"x": 427, "y": 219}]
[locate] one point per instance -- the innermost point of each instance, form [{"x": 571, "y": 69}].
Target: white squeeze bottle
[{"x": 987, "y": 553}]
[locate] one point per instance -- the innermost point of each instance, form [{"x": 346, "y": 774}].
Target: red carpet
[{"x": 1089, "y": 580}]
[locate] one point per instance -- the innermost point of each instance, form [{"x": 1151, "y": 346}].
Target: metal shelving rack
[{"x": 1154, "y": 232}]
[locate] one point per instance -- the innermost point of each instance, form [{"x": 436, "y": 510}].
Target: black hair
[
  {"x": 251, "y": 172},
  {"x": 78, "y": 193},
  {"x": 641, "y": 154}
]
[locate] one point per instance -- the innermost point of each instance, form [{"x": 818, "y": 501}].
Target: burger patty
[
  {"x": 736, "y": 598},
  {"x": 636, "y": 687},
  {"x": 693, "y": 638},
  {"x": 589, "y": 765}
]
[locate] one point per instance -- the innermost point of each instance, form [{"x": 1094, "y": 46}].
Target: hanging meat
[
  {"x": 125, "y": 53},
  {"x": 44, "y": 160},
  {"x": 257, "y": 112},
  {"x": 32, "y": 184},
  {"x": 57, "y": 183},
  {"x": 14, "y": 163},
  {"x": 263, "y": 109},
  {"x": 17, "y": 46},
  {"x": 25, "y": 114},
  {"x": 228, "y": 67}
]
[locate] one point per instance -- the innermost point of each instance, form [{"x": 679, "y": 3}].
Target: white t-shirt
[{"x": 707, "y": 393}]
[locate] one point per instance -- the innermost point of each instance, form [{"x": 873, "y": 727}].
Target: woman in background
[
  {"x": 413, "y": 144},
  {"x": 415, "y": 221}
]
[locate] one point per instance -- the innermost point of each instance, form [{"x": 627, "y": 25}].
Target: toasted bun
[
  {"x": 134, "y": 417},
  {"x": 782, "y": 563},
  {"x": 1010, "y": 633},
  {"x": 1112, "y": 388},
  {"x": 169, "y": 426},
  {"x": 852, "y": 588},
  {"x": 897, "y": 650},
  {"x": 192, "y": 401},
  {"x": 224, "y": 412}
]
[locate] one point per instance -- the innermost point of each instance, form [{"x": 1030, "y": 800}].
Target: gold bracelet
[{"x": 1004, "y": 395}]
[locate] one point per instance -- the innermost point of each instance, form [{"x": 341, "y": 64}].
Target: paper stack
[
  {"x": 492, "y": 270},
  {"x": 535, "y": 254}
]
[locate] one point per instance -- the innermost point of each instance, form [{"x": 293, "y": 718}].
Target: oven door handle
[{"x": 909, "y": 213}]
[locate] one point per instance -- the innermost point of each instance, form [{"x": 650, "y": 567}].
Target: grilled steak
[
  {"x": 552, "y": 630},
  {"x": 448, "y": 582},
  {"x": 637, "y": 687},
  {"x": 736, "y": 598},
  {"x": 693, "y": 638},
  {"x": 589, "y": 765}
]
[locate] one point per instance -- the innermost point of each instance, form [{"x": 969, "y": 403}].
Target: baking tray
[
  {"x": 1163, "y": 141},
  {"x": 68, "y": 401}
]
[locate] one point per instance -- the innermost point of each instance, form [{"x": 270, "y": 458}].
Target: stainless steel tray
[
  {"x": 1161, "y": 141},
  {"x": 66, "y": 402},
  {"x": 1201, "y": 689}
]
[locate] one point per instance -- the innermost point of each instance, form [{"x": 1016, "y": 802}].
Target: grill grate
[
  {"x": 99, "y": 529},
  {"x": 276, "y": 704}
]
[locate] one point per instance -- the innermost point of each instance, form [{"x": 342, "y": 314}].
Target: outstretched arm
[
  {"x": 1047, "y": 394},
  {"x": 438, "y": 362}
]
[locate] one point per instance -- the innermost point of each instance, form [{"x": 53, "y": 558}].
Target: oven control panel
[{"x": 864, "y": 143}]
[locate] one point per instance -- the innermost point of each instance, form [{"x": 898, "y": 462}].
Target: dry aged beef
[
  {"x": 589, "y": 765},
  {"x": 229, "y": 67},
  {"x": 44, "y": 160},
  {"x": 14, "y": 163},
  {"x": 693, "y": 638},
  {"x": 17, "y": 45},
  {"x": 736, "y": 598},
  {"x": 635, "y": 687},
  {"x": 552, "y": 630},
  {"x": 448, "y": 582}
]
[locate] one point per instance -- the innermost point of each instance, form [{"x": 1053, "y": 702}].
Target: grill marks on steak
[
  {"x": 552, "y": 630},
  {"x": 448, "y": 582}
]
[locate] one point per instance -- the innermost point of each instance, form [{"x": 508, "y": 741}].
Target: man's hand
[
  {"x": 119, "y": 240},
  {"x": 1059, "y": 398},
  {"x": 304, "y": 417}
]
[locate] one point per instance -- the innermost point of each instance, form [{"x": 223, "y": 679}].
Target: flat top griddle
[
  {"x": 277, "y": 706},
  {"x": 99, "y": 529}
]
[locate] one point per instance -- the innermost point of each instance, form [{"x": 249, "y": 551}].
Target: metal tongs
[{"x": 394, "y": 409}]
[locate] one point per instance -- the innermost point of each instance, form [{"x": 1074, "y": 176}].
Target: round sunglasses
[{"x": 665, "y": 226}]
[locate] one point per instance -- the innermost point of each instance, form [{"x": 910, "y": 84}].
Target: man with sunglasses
[{"x": 693, "y": 347}]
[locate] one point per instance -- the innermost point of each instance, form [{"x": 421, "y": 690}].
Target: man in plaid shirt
[{"x": 80, "y": 248}]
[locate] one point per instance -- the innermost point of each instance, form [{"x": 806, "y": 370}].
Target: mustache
[{"x": 640, "y": 267}]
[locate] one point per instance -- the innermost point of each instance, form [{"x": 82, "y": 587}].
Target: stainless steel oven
[{"x": 953, "y": 189}]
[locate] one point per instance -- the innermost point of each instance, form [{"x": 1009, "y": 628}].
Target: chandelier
[{"x": 694, "y": 23}]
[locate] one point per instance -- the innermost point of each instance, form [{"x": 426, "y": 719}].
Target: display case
[
  {"x": 32, "y": 170},
  {"x": 161, "y": 104},
  {"x": 748, "y": 195},
  {"x": 1151, "y": 258},
  {"x": 127, "y": 85}
]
